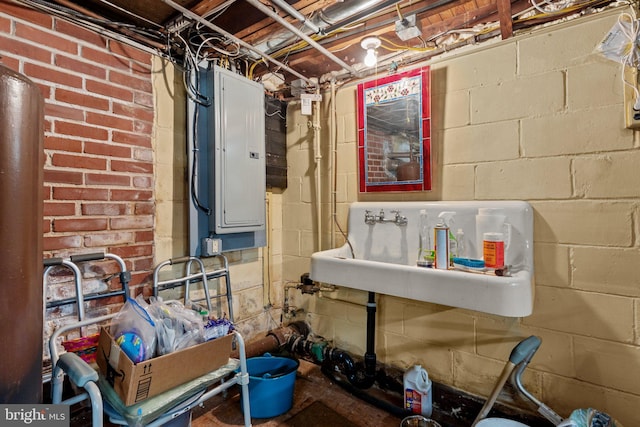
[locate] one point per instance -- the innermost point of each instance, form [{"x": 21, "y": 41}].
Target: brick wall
[{"x": 98, "y": 173}]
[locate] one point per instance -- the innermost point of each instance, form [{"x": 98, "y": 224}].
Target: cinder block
[
  {"x": 607, "y": 270},
  {"x": 590, "y": 131},
  {"x": 486, "y": 67},
  {"x": 593, "y": 85},
  {"x": 608, "y": 364},
  {"x": 583, "y": 313},
  {"x": 525, "y": 179},
  {"x": 551, "y": 264},
  {"x": 610, "y": 176},
  {"x": 585, "y": 222},
  {"x": 450, "y": 110},
  {"x": 458, "y": 182},
  {"x": 438, "y": 324},
  {"x": 538, "y": 94},
  {"x": 556, "y": 48},
  {"x": 480, "y": 143}
]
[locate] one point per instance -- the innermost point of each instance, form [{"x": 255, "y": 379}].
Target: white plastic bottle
[{"x": 417, "y": 391}]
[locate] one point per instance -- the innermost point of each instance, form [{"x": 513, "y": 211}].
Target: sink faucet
[{"x": 397, "y": 219}]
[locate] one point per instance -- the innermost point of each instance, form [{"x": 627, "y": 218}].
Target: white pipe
[
  {"x": 294, "y": 12},
  {"x": 318, "y": 164},
  {"x": 241, "y": 42},
  {"x": 333, "y": 164},
  {"x": 264, "y": 9}
]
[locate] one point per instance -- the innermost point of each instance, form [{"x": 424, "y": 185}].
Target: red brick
[
  {"x": 109, "y": 90},
  {"x": 52, "y": 75},
  {"x": 132, "y": 222},
  {"x": 144, "y": 208},
  {"x": 107, "y": 179},
  {"x": 45, "y": 38},
  {"x": 82, "y": 131},
  {"x": 143, "y": 154},
  {"x": 137, "y": 167},
  {"x": 11, "y": 63},
  {"x": 110, "y": 150},
  {"x": 46, "y": 226},
  {"x": 142, "y": 182},
  {"x": 63, "y": 112},
  {"x": 79, "y": 224},
  {"x": 59, "y": 209},
  {"x": 105, "y": 58},
  {"x": 70, "y": 193},
  {"x": 24, "y": 50},
  {"x": 61, "y": 242},
  {"x": 143, "y": 264},
  {"x": 131, "y": 81},
  {"x": 80, "y": 66},
  {"x": 109, "y": 121},
  {"x": 132, "y": 138},
  {"x": 145, "y": 236},
  {"x": 81, "y": 99},
  {"x": 26, "y": 13},
  {"x": 127, "y": 51},
  {"x": 132, "y": 251},
  {"x": 83, "y": 162},
  {"x": 63, "y": 177},
  {"x": 46, "y": 192},
  {"x": 5, "y": 25},
  {"x": 136, "y": 112},
  {"x": 62, "y": 144},
  {"x": 108, "y": 239},
  {"x": 131, "y": 195},
  {"x": 139, "y": 279},
  {"x": 110, "y": 209},
  {"x": 144, "y": 99},
  {"x": 45, "y": 90},
  {"x": 143, "y": 127},
  {"x": 75, "y": 31}
]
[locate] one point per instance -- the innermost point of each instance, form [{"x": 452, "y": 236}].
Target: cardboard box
[{"x": 136, "y": 382}]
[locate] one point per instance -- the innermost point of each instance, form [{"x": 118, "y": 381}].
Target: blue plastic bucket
[{"x": 271, "y": 382}]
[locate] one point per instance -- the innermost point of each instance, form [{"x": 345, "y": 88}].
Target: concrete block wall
[{"x": 539, "y": 118}]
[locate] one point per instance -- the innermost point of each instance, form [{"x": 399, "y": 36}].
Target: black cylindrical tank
[{"x": 21, "y": 189}]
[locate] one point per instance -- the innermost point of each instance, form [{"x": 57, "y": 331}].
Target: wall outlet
[
  {"x": 632, "y": 116},
  {"x": 211, "y": 247}
]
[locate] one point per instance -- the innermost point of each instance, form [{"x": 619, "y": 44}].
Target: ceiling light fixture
[{"x": 370, "y": 44}]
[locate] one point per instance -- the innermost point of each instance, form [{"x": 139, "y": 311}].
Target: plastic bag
[
  {"x": 177, "y": 327},
  {"x": 134, "y": 330},
  {"x": 621, "y": 42},
  {"x": 589, "y": 418}
]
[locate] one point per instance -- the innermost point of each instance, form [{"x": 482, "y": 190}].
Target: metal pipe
[
  {"x": 241, "y": 42},
  {"x": 294, "y": 12},
  {"x": 264, "y": 9}
]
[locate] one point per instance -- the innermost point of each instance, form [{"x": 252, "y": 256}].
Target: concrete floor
[{"x": 310, "y": 386}]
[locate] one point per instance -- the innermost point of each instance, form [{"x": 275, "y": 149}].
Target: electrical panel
[
  {"x": 226, "y": 155},
  {"x": 238, "y": 181}
]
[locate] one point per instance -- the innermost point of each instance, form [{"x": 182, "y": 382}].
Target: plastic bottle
[
  {"x": 417, "y": 391},
  {"x": 446, "y": 220},
  {"x": 462, "y": 246},
  {"x": 425, "y": 256}
]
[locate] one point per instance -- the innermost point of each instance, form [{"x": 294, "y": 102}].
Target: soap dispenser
[{"x": 425, "y": 254}]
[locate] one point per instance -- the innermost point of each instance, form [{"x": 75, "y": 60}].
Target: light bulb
[{"x": 370, "y": 59}]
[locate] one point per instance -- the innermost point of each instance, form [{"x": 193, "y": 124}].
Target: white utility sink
[{"x": 386, "y": 252}]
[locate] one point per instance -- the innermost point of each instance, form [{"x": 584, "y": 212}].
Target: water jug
[
  {"x": 417, "y": 391},
  {"x": 491, "y": 220}
]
